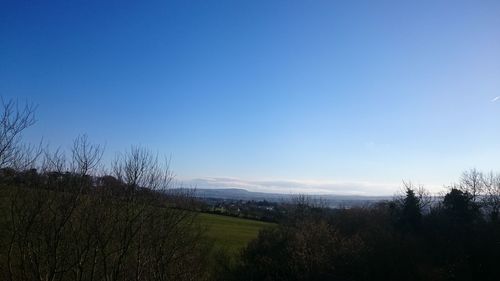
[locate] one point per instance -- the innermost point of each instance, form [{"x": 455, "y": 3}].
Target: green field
[{"x": 230, "y": 233}]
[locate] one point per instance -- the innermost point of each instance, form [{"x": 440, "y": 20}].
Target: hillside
[
  {"x": 331, "y": 200},
  {"x": 230, "y": 233}
]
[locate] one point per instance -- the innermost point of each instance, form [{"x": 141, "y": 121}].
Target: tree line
[
  {"x": 455, "y": 236},
  {"x": 64, "y": 216}
]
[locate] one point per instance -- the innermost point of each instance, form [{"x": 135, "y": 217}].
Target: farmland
[{"x": 230, "y": 233}]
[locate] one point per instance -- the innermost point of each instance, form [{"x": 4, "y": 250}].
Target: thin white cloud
[
  {"x": 495, "y": 99},
  {"x": 298, "y": 186}
]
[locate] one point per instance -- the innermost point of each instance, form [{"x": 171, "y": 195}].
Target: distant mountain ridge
[{"x": 243, "y": 194}]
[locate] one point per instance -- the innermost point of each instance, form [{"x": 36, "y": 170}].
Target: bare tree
[
  {"x": 141, "y": 168},
  {"x": 152, "y": 243},
  {"x": 72, "y": 229},
  {"x": 472, "y": 182},
  {"x": 25, "y": 156},
  {"x": 46, "y": 224},
  {"x": 491, "y": 198},
  {"x": 54, "y": 161},
  {"x": 86, "y": 155},
  {"x": 14, "y": 119}
]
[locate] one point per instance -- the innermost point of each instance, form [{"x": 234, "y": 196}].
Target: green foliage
[
  {"x": 66, "y": 227},
  {"x": 460, "y": 208},
  {"x": 411, "y": 215},
  {"x": 388, "y": 241}
]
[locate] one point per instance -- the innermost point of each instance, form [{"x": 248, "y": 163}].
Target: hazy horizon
[{"x": 311, "y": 97}]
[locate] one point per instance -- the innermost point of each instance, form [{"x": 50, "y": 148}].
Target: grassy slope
[{"x": 231, "y": 233}]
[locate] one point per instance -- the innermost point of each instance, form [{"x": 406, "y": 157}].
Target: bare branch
[
  {"x": 86, "y": 155},
  {"x": 14, "y": 119},
  {"x": 140, "y": 168}
]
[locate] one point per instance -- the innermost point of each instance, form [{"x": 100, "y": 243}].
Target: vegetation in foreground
[
  {"x": 198, "y": 236},
  {"x": 69, "y": 220},
  {"x": 410, "y": 238}
]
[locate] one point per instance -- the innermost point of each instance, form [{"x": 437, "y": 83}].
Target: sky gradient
[{"x": 289, "y": 96}]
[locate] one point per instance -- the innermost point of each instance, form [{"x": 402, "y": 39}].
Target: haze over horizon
[{"x": 313, "y": 96}]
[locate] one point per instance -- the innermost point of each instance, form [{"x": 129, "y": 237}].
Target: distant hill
[{"x": 243, "y": 194}]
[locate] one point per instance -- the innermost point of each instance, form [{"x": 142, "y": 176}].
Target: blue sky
[{"x": 323, "y": 96}]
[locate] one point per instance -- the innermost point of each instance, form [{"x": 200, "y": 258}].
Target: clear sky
[{"x": 320, "y": 96}]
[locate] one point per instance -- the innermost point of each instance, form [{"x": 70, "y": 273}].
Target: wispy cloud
[
  {"x": 297, "y": 186},
  {"x": 495, "y": 99}
]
